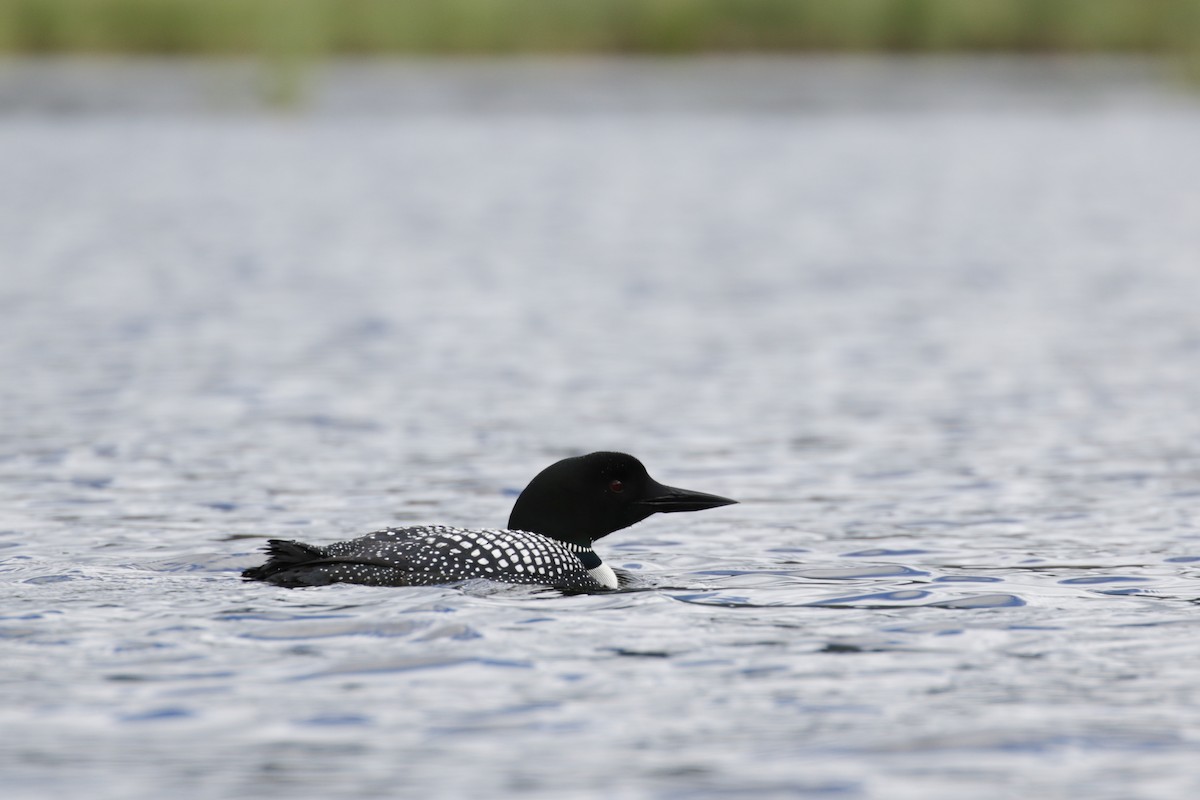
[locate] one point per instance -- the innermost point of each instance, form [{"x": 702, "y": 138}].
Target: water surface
[{"x": 941, "y": 340}]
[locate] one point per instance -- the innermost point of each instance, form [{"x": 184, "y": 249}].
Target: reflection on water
[{"x": 943, "y": 352}]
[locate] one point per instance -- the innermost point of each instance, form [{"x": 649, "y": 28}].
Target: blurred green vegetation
[{"x": 306, "y": 28}]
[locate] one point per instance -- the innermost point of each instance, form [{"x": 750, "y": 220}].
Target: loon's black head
[{"x": 580, "y": 499}]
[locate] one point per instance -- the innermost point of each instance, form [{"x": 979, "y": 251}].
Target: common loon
[{"x": 553, "y": 524}]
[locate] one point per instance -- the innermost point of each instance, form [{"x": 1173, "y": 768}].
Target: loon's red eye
[{"x": 616, "y": 486}]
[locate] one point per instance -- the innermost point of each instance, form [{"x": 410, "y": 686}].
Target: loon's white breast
[{"x": 604, "y": 576}]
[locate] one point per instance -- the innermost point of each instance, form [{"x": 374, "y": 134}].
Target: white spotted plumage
[{"x": 423, "y": 556}]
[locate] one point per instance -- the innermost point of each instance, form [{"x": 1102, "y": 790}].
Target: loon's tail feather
[{"x": 283, "y": 554}]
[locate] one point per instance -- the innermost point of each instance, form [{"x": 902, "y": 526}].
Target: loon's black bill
[{"x": 668, "y": 499}]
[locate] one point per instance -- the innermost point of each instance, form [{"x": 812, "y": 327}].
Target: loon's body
[
  {"x": 548, "y": 542},
  {"x": 426, "y": 556}
]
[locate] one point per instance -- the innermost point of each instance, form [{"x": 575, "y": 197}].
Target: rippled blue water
[{"x": 947, "y": 355}]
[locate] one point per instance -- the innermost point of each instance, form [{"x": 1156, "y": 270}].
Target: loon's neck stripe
[{"x": 590, "y": 559}]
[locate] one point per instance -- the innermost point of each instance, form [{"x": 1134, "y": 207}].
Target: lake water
[{"x": 936, "y": 324}]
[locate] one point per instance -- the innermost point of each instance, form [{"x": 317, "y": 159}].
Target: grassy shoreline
[{"x": 313, "y": 28}]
